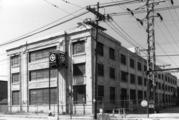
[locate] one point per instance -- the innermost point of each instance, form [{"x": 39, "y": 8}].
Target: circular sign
[
  {"x": 52, "y": 57},
  {"x": 144, "y": 103}
]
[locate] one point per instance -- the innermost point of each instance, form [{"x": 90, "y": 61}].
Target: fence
[{"x": 86, "y": 108}]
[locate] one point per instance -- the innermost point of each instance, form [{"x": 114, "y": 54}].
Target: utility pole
[
  {"x": 151, "y": 60},
  {"x": 95, "y": 24}
]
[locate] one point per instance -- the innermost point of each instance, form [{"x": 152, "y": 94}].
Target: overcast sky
[{"x": 18, "y": 17}]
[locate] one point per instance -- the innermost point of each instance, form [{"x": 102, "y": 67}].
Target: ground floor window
[
  {"x": 79, "y": 94},
  {"x": 15, "y": 97},
  {"x": 41, "y": 96}
]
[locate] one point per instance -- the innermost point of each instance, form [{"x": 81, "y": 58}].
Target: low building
[{"x": 121, "y": 75}]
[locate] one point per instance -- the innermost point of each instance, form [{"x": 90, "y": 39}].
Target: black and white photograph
[{"x": 89, "y": 60}]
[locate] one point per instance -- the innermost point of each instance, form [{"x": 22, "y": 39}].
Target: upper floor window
[
  {"x": 79, "y": 47},
  {"x": 124, "y": 76},
  {"x": 15, "y": 60},
  {"x": 40, "y": 54},
  {"x": 112, "y": 53},
  {"x": 100, "y": 69},
  {"x": 132, "y": 78},
  {"x": 123, "y": 59},
  {"x": 139, "y": 80},
  {"x": 139, "y": 66},
  {"x": 132, "y": 63},
  {"x": 15, "y": 77},
  {"x": 79, "y": 69},
  {"x": 100, "y": 48},
  {"x": 112, "y": 73},
  {"x": 42, "y": 74}
]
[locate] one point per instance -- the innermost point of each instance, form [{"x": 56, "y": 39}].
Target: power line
[{"x": 34, "y": 33}]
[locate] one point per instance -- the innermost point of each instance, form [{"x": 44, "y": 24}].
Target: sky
[{"x": 19, "y": 17}]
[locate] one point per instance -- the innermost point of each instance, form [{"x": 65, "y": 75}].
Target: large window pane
[
  {"x": 79, "y": 94},
  {"x": 15, "y": 60},
  {"x": 41, "y": 96},
  {"x": 79, "y": 69},
  {"x": 42, "y": 74},
  {"x": 78, "y": 47},
  {"x": 15, "y": 97},
  {"x": 40, "y": 54},
  {"x": 15, "y": 77}
]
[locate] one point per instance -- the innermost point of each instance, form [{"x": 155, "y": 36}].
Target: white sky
[{"x": 18, "y": 17}]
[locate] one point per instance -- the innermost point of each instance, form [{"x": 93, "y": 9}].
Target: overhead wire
[{"x": 45, "y": 29}]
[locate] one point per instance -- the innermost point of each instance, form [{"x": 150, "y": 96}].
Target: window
[
  {"x": 41, "y": 96},
  {"x": 133, "y": 95},
  {"x": 112, "y": 95},
  {"x": 145, "y": 81},
  {"x": 100, "y": 93},
  {"x": 79, "y": 94},
  {"x": 124, "y": 97},
  {"x": 140, "y": 96},
  {"x": 139, "y": 66},
  {"x": 79, "y": 69},
  {"x": 132, "y": 63},
  {"x": 15, "y": 97},
  {"x": 40, "y": 54},
  {"x": 78, "y": 47},
  {"x": 139, "y": 80},
  {"x": 42, "y": 74},
  {"x": 15, "y": 77},
  {"x": 15, "y": 61},
  {"x": 123, "y": 59},
  {"x": 112, "y": 53},
  {"x": 145, "y": 68},
  {"x": 100, "y": 69},
  {"x": 124, "y": 76},
  {"x": 132, "y": 78},
  {"x": 100, "y": 47},
  {"x": 112, "y": 73}
]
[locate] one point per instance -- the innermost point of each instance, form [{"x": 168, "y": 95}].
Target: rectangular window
[
  {"x": 15, "y": 77},
  {"x": 15, "y": 61},
  {"x": 124, "y": 76},
  {"x": 79, "y": 94},
  {"x": 132, "y": 78},
  {"x": 42, "y": 74},
  {"x": 100, "y": 69},
  {"x": 112, "y": 73},
  {"x": 15, "y": 97},
  {"x": 78, "y": 47},
  {"x": 123, "y": 59},
  {"x": 40, "y": 54},
  {"x": 133, "y": 95},
  {"x": 139, "y": 80},
  {"x": 124, "y": 98},
  {"x": 112, "y": 95},
  {"x": 100, "y": 48},
  {"x": 139, "y": 66},
  {"x": 132, "y": 63},
  {"x": 145, "y": 68},
  {"x": 140, "y": 96},
  {"x": 100, "y": 93},
  {"x": 145, "y": 81},
  {"x": 112, "y": 53},
  {"x": 79, "y": 69},
  {"x": 41, "y": 96}
]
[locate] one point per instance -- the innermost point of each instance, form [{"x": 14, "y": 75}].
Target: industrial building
[{"x": 121, "y": 75}]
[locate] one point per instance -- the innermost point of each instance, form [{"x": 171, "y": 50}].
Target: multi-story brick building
[{"x": 121, "y": 75}]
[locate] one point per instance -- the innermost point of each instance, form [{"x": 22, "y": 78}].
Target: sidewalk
[{"x": 31, "y": 116}]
